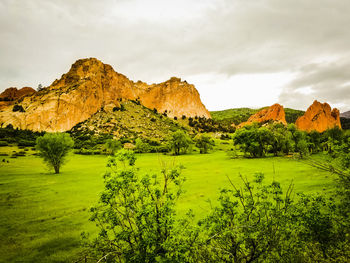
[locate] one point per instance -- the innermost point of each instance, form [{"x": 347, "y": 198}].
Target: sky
[{"x": 237, "y": 53}]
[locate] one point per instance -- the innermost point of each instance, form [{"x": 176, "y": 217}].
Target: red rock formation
[
  {"x": 90, "y": 85},
  {"x": 12, "y": 94},
  {"x": 273, "y": 113},
  {"x": 319, "y": 117}
]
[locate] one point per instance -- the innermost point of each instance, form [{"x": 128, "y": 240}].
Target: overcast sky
[{"x": 237, "y": 53}]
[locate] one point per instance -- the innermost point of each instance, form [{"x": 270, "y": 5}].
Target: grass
[{"x": 43, "y": 214}]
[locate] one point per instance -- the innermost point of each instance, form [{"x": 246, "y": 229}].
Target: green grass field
[{"x": 43, "y": 214}]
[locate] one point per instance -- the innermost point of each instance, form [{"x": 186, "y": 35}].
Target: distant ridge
[{"x": 345, "y": 115}]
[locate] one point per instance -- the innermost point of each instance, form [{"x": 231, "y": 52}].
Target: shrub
[
  {"x": 137, "y": 219},
  {"x": 17, "y": 107}
]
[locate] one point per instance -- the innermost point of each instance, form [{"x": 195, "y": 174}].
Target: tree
[
  {"x": 137, "y": 218},
  {"x": 299, "y": 140},
  {"x": 281, "y": 139},
  {"x": 40, "y": 87},
  {"x": 314, "y": 138},
  {"x": 141, "y": 147},
  {"x": 253, "y": 139},
  {"x": 333, "y": 138},
  {"x": 204, "y": 143},
  {"x": 112, "y": 146},
  {"x": 53, "y": 148},
  {"x": 179, "y": 142}
]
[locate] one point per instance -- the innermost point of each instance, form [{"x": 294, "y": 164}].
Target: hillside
[{"x": 129, "y": 121}]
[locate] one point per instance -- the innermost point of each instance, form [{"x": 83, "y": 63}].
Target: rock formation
[
  {"x": 11, "y": 94},
  {"x": 90, "y": 85},
  {"x": 274, "y": 113},
  {"x": 319, "y": 117}
]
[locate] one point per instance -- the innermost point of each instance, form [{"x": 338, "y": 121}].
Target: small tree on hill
[{"x": 53, "y": 148}]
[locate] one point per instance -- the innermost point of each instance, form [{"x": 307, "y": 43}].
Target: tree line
[{"x": 258, "y": 141}]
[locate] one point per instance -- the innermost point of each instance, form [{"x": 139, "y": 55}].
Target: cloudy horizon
[{"x": 237, "y": 53}]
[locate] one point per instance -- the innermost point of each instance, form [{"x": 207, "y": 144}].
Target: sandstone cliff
[
  {"x": 319, "y": 117},
  {"x": 90, "y": 85},
  {"x": 274, "y": 113}
]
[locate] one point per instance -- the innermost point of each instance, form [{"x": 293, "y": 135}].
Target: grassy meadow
[{"x": 43, "y": 214}]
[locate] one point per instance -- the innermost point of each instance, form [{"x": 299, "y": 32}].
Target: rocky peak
[
  {"x": 274, "y": 113},
  {"x": 90, "y": 85},
  {"x": 14, "y": 93},
  {"x": 319, "y": 117},
  {"x": 11, "y": 95}
]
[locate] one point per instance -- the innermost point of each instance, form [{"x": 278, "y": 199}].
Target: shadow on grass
[{"x": 50, "y": 251}]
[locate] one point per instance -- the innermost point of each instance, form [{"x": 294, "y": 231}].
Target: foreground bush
[
  {"x": 137, "y": 218},
  {"x": 254, "y": 222}
]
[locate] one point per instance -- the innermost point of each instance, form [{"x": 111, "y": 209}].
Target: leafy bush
[{"x": 137, "y": 217}]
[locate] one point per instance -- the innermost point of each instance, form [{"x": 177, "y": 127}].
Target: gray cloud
[
  {"x": 326, "y": 82},
  {"x": 154, "y": 40}
]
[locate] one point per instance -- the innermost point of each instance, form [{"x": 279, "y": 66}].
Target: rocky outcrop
[
  {"x": 91, "y": 85},
  {"x": 175, "y": 97},
  {"x": 14, "y": 93},
  {"x": 319, "y": 117},
  {"x": 10, "y": 95},
  {"x": 274, "y": 113}
]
